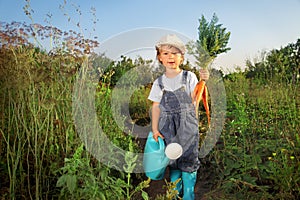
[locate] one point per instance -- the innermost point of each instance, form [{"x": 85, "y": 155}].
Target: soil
[{"x": 203, "y": 185}]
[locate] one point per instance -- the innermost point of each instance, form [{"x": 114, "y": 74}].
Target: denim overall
[{"x": 178, "y": 123}]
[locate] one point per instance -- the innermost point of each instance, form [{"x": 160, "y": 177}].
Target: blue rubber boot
[
  {"x": 174, "y": 176},
  {"x": 189, "y": 181}
]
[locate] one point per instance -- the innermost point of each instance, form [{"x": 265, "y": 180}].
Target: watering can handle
[{"x": 161, "y": 143}]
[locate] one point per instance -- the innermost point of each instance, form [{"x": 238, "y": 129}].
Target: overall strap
[
  {"x": 160, "y": 83},
  {"x": 184, "y": 77}
]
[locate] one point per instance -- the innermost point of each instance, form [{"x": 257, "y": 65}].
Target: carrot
[{"x": 201, "y": 93}]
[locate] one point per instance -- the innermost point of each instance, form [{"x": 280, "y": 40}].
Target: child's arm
[{"x": 155, "y": 119}]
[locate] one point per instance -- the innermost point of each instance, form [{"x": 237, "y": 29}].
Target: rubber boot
[
  {"x": 189, "y": 181},
  {"x": 174, "y": 176}
]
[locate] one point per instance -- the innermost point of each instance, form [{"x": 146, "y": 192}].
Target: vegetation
[
  {"x": 42, "y": 157},
  {"x": 212, "y": 41}
]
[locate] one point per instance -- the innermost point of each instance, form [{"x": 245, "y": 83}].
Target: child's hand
[
  {"x": 156, "y": 135},
  {"x": 204, "y": 74}
]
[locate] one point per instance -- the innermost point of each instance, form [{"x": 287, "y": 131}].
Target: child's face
[{"x": 170, "y": 57}]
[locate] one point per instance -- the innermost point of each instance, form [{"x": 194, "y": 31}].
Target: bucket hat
[{"x": 172, "y": 40}]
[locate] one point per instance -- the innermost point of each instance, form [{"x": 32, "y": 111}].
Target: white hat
[{"x": 171, "y": 40}]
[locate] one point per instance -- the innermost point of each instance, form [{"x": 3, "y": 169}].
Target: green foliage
[
  {"x": 36, "y": 125},
  {"x": 139, "y": 106},
  {"x": 280, "y": 65},
  {"x": 117, "y": 69},
  {"x": 80, "y": 180},
  {"x": 114, "y": 132},
  {"x": 171, "y": 192},
  {"x": 36, "y": 122},
  {"x": 260, "y": 146},
  {"x": 212, "y": 41},
  {"x": 37, "y": 130}
]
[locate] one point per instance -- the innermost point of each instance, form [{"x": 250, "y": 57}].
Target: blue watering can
[{"x": 155, "y": 160}]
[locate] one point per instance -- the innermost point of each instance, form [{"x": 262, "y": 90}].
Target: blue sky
[{"x": 255, "y": 25}]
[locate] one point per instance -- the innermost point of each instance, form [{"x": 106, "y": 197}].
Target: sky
[{"x": 255, "y": 25}]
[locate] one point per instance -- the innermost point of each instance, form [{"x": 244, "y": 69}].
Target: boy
[{"x": 173, "y": 112}]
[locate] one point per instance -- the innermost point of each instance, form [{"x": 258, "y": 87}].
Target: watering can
[{"x": 155, "y": 160}]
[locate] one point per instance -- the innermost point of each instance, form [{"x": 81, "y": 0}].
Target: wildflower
[
  {"x": 292, "y": 157},
  {"x": 274, "y": 154},
  {"x": 283, "y": 150},
  {"x": 269, "y": 158}
]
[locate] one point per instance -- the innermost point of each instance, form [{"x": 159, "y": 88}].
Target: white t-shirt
[{"x": 172, "y": 84}]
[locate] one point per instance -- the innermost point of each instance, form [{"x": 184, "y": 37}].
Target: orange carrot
[
  {"x": 205, "y": 103},
  {"x": 201, "y": 93}
]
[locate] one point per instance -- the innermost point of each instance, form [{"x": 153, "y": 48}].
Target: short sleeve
[
  {"x": 155, "y": 92},
  {"x": 193, "y": 80}
]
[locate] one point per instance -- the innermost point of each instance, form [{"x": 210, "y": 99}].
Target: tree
[
  {"x": 212, "y": 41},
  {"x": 277, "y": 64}
]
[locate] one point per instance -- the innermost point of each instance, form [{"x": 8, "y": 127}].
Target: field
[{"x": 43, "y": 157}]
